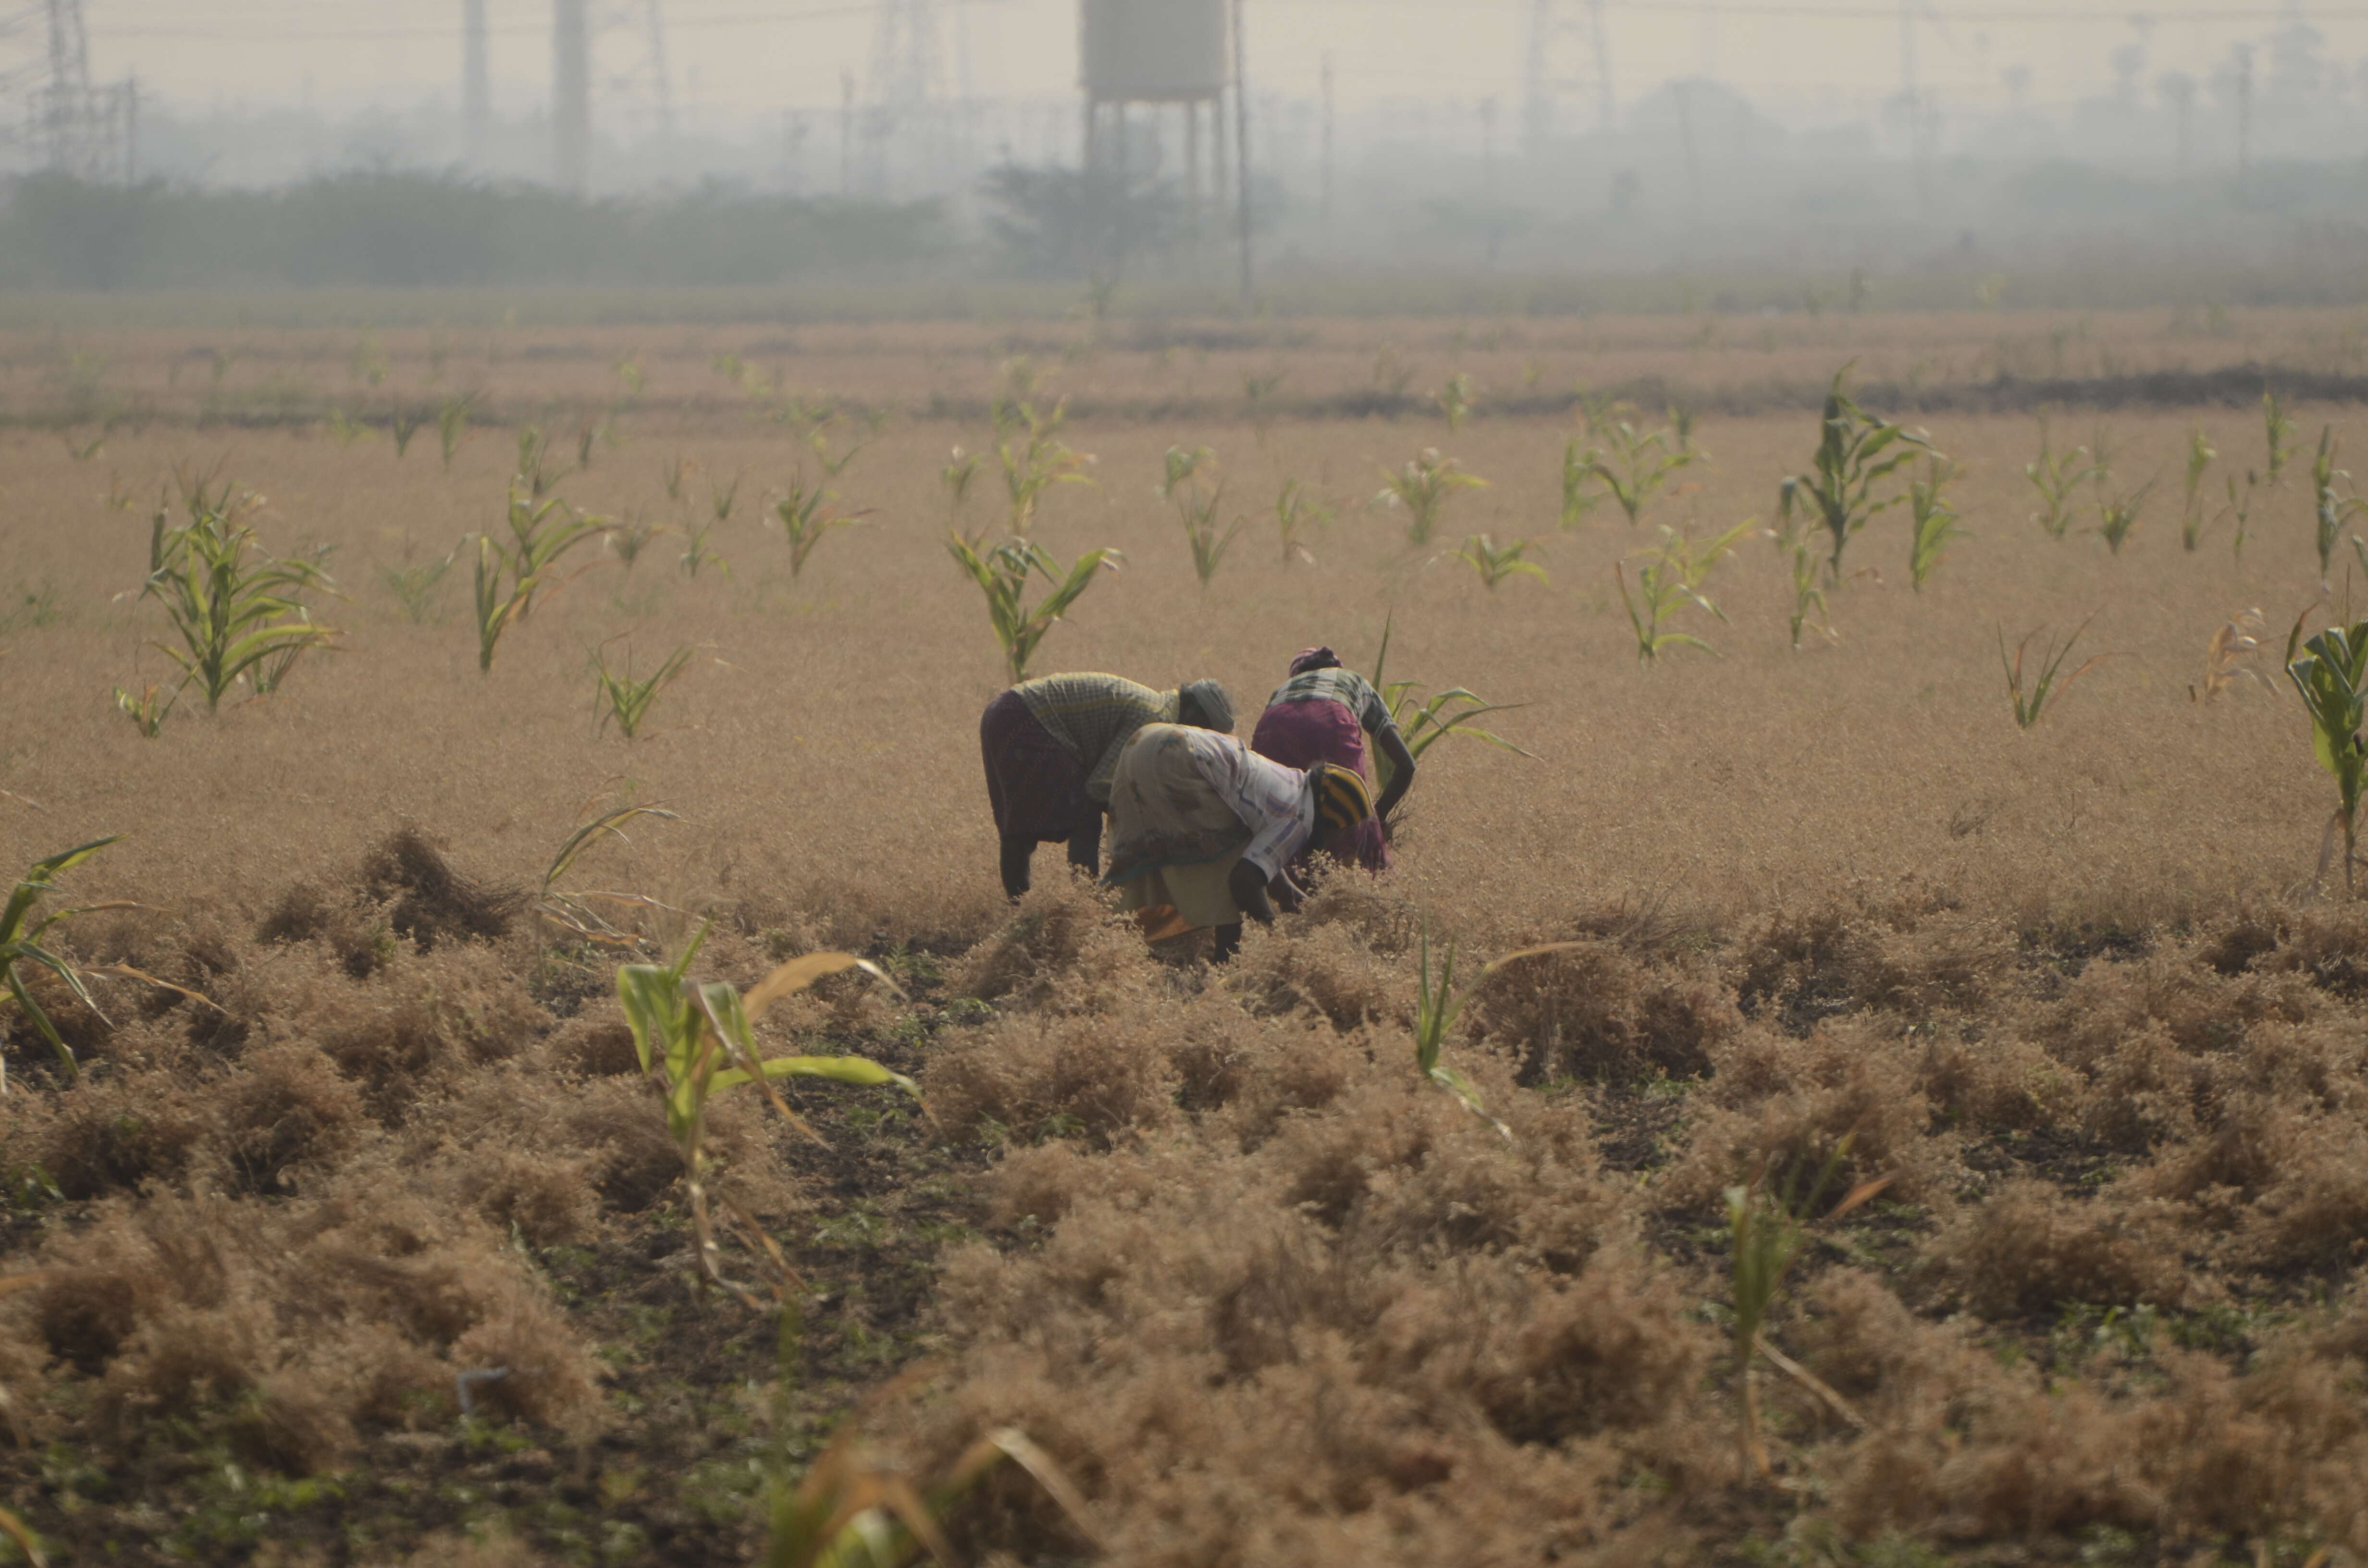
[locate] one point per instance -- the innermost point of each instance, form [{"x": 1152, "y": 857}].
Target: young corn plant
[
  {"x": 1435, "y": 1009},
  {"x": 833, "y": 465},
  {"x": 1933, "y": 523},
  {"x": 1296, "y": 515},
  {"x": 1767, "y": 1229},
  {"x": 2331, "y": 674},
  {"x": 1421, "y": 488},
  {"x": 1002, "y": 573},
  {"x": 513, "y": 574},
  {"x": 1496, "y": 562},
  {"x": 148, "y": 708},
  {"x": 1424, "y": 723},
  {"x": 1578, "y": 496},
  {"x": 1669, "y": 580},
  {"x": 2192, "y": 521},
  {"x": 2240, "y": 508},
  {"x": 1856, "y": 452},
  {"x": 696, "y": 1039},
  {"x": 623, "y": 699},
  {"x": 20, "y": 942},
  {"x": 414, "y": 585},
  {"x": 2030, "y": 695},
  {"x": 1637, "y": 468},
  {"x": 1197, "y": 503},
  {"x": 956, "y": 477},
  {"x": 453, "y": 425},
  {"x": 238, "y": 612},
  {"x": 2278, "y": 432},
  {"x": 2056, "y": 476},
  {"x": 404, "y": 422},
  {"x": 2333, "y": 508},
  {"x": 1455, "y": 401},
  {"x": 533, "y": 458},
  {"x": 2226, "y": 657},
  {"x": 1034, "y": 460},
  {"x": 1807, "y": 575},
  {"x": 807, "y": 516},
  {"x": 2118, "y": 514},
  {"x": 571, "y": 915}
]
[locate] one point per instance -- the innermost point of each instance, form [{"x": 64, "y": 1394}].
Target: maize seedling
[
  {"x": 1295, "y": 513},
  {"x": 2191, "y": 522},
  {"x": 808, "y": 517},
  {"x": 2333, "y": 510},
  {"x": 1257, "y": 395},
  {"x": 2056, "y": 477},
  {"x": 1196, "y": 507},
  {"x": 1422, "y": 487},
  {"x": 1856, "y": 452},
  {"x": 404, "y": 422},
  {"x": 1422, "y": 724},
  {"x": 149, "y": 709},
  {"x": 1435, "y": 1009},
  {"x": 1002, "y": 573},
  {"x": 832, "y": 467},
  {"x": 672, "y": 472},
  {"x": 343, "y": 428},
  {"x": 956, "y": 477},
  {"x": 1670, "y": 579},
  {"x": 2030, "y": 702},
  {"x": 848, "y": 1510},
  {"x": 2117, "y": 514},
  {"x": 2332, "y": 676},
  {"x": 1933, "y": 522},
  {"x": 413, "y": 586},
  {"x": 1578, "y": 498},
  {"x": 1454, "y": 400},
  {"x": 239, "y": 613},
  {"x": 621, "y": 698},
  {"x": 20, "y": 941},
  {"x": 2240, "y": 508},
  {"x": 1638, "y": 467},
  {"x": 511, "y": 576},
  {"x": 1807, "y": 575},
  {"x": 722, "y": 499},
  {"x": 1768, "y": 1231},
  {"x": 452, "y": 425},
  {"x": 572, "y": 913},
  {"x": 1495, "y": 562},
  {"x": 1036, "y": 461},
  {"x": 2224, "y": 665},
  {"x": 2278, "y": 433},
  {"x": 696, "y": 1041},
  {"x": 533, "y": 451},
  {"x": 629, "y": 537}
]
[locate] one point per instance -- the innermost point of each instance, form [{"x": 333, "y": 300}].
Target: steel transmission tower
[
  {"x": 643, "y": 91},
  {"x": 907, "y": 90},
  {"x": 476, "y": 82},
  {"x": 63, "y": 122},
  {"x": 1569, "y": 58}
]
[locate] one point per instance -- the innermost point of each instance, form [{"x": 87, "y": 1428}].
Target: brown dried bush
[
  {"x": 1033, "y": 1076},
  {"x": 1592, "y": 1012},
  {"x": 426, "y": 900},
  {"x": 2028, "y": 1250},
  {"x": 1783, "y": 1107}
]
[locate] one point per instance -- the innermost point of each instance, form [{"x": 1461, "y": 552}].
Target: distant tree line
[{"x": 394, "y": 230}]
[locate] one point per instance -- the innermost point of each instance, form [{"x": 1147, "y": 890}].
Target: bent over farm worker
[
  {"x": 1323, "y": 713},
  {"x": 1051, "y": 748},
  {"x": 1204, "y": 826}
]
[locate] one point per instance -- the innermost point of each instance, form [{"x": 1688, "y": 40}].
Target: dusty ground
[{"x": 2069, "y": 986}]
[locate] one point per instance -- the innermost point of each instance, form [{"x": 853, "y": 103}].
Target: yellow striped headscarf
[{"x": 1342, "y": 798}]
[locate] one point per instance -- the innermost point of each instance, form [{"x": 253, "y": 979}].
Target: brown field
[{"x": 1204, "y": 1235}]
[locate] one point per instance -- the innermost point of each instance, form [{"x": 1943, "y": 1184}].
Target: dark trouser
[{"x": 1037, "y": 790}]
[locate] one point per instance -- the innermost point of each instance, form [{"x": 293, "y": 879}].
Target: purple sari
[{"x": 1301, "y": 735}]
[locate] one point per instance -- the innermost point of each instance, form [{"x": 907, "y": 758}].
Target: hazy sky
[{"x": 733, "y": 59}]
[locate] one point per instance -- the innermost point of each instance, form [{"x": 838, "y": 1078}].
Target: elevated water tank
[{"x": 1152, "y": 51}]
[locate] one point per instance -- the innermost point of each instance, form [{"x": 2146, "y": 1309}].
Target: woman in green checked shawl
[{"x": 1051, "y": 746}]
